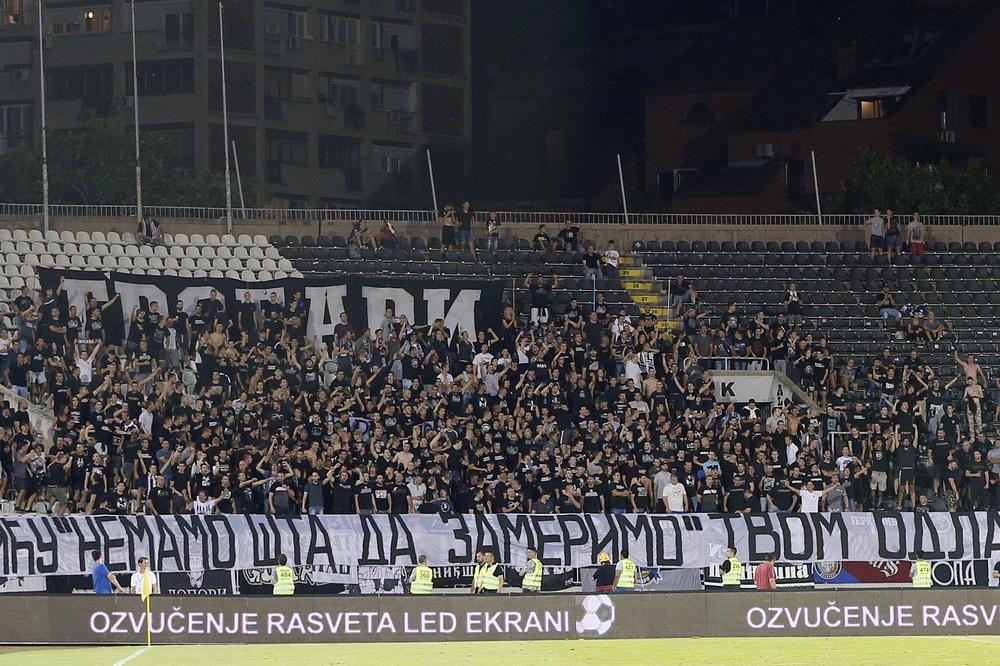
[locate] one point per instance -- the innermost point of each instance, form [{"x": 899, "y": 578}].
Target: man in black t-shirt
[
  {"x": 540, "y": 294},
  {"x": 569, "y": 235}
]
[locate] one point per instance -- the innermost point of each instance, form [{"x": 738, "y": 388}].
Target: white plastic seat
[
  {"x": 297, "y": 275},
  {"x": 27, "y": 270},
  {"x": 141, "y": 263},
  {"x": 86, "y": 249},
  {"x": 155, "y": 263},
  {"x": 129, "y": 239},
  {"x": 78, "y": 261},
  {"x": 8, "y": 246},
  {"x": 102, "y": 250},
  {"x": 260, "y": 240},
  {"x": 83, "y": 236},
  {"x": 46, "y": 260},
  {"x": 6, "y": 235},
  {"x": 62, "y": 261},
  {"x": 117, "y": 251},
  {"x": 232, "y": 275},
  {"x": 160, "y": 251},
  {"x": 20, "y": 235},
  {"x": 264, "y": 276},
  {"x": 212, "y": 240},
  {"x": 31, "y": 283},
  {"x": 181, "y": 239},
  {"x": 170, "y": 271},
  {"x": 272, "y": 253},
  {"x": 285, "y": 265},
  {"x": 13, "y": 269},
  {"x": 197, "y": 239},
  {"x": 219, "y": 264},
  {"x": 110, "y": 263},
  {"x": 125, "y": 263},
  {"x": 223, "y": 252},
  {"x": 188, "y": 263},
  {"x": 98, "y": 237},
  {"x": 208, "y": 251},
  {"x": 254, "y": 264},
  {"x": 146, "y": 251},
  {"x": 131, "y": 251},
  {"x": 193, "y": 251},
  {"x": 22, "y": 247},
  {"x": 4, "y": 284},
  {"x": 241, "y": 253},
  {"x": 203, "y": 263},
  {"x": 199, "y": 273},
  {"x": 16, "y": 282},
  {"x": 35, "y": 235},
  {"x": 50, "y": 235},
  {"x": 38, "y": 247},
  {"x": 153, "y": 271},
  {"x": 280, "y": 275},
  {"x": 114, "y": 237},
  {"x": 171, "y": 263},
  {"x": 216, "y": 273},
  {"x": 53, "y": 248},
  {"x": 244, "y": 240},
  {"x": 184, "y": 272},
  {"x": 257, "y": 252},
  {"x": 176, "y": 251},
  {"x": 247, "y": 276},
  {"x": 67, "y": 237},
  {"x": 235, "y": 264},
  {"x": 269, "y": 265},
  {"x": 94, "y": 261}
]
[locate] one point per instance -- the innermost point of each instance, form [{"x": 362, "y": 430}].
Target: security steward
[
  {"x": 422, "y": 577},
  {"x": 732, "y": 570},
  {"x": 625, "y": 573},
  {"x": 920, "y": 572},
  {"x": 477, "y": 580},
  {"x": 284, "y": 577},
  {"x": 604, "y": 576},
  {"x": 490, "y": 575},
  {"x": 532, "y": 581}
]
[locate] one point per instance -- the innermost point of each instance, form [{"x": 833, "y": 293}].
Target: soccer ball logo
[{"x": 598, "y": 615}]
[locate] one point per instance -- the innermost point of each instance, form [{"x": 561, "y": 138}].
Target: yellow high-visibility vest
[
  {"x": 923, "y": 575},
  {"x": 284, "y": 580},
  {"x": 627, "y": 577},
  {"x": 735, "y": 574},
  {"x": 423, "y": 580},
  {"x": 533, "y": 579},
  {"x": 488, "y": 580}
]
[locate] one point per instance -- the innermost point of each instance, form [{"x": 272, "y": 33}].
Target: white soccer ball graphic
[{"x": 598, "y": 615}]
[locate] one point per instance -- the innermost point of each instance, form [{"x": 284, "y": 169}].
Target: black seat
[
  {"x": 308, "y": 241},
  {"x": 292, "y": 241}
]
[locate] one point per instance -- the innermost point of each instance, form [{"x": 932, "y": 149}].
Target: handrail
[{"x": 250, "y": 215}]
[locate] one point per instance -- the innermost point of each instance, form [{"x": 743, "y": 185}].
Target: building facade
[{"x": 331, "y": 103}]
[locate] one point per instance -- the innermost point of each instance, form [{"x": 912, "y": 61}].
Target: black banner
[
  {"x": 472, "y": 305},
  {"x": 785, "y": 576}
]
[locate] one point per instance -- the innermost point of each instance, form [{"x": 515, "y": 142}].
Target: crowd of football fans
[{"x": 206, "y": 409}]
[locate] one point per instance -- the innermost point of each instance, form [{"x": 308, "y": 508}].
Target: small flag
[{"x": 147, "y": 584}]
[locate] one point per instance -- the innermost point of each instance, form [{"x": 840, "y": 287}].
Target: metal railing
[
  {"x": 507, "y": 217},
  {"x": 735, "y": 363}
]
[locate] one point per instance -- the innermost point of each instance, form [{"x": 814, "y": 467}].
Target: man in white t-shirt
[
  {"x": 135, "y": 585},
  {"x": 675, "y": 496},
  {"x": 481, "y": 361},
  {"x": 809, "y": 498},
  {"x": 611, "y": 257}
]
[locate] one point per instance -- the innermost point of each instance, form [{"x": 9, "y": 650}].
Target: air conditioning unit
[
  {"x": 20, "y": 74},
  {"x": 294, "y": 44}
]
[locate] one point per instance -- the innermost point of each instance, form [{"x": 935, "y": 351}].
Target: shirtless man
[{"x": 969, "y": 366}]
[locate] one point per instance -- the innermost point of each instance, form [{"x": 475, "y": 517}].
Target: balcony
[
  {"x": 176, "y": 41},
  {"x": 390, "y": 62},
  {"x": 397, "y": 122}
]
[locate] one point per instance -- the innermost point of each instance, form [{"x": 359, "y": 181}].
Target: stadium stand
[{"x": 549, "y": 421}]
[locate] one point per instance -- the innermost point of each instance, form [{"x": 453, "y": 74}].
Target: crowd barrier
[{"x": 122, "y": 619}]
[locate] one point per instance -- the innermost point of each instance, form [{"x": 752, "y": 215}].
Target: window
[
  {"x": 72, "y": 21},
  {"x": 15, "y": 127},
  {"x": 392, "y": 96},
  {"x": 287, "y": 148},
  {"x": 978, "y": 111},
  {"x": 338, "y": 152},
  {"x": 763, "y": 150},
  {"x": 870, "y": 109},
  {"x": 390, "y": 36},
  {"x": 90, "y": 85},
  {"x": 291, "y": 22},
  {"x": 178, "y": 30},
  {"x": 340, "y": 29},
  {"x": 167, "y": 77},
  {"x": 340, "y": 91},
  {"x": 286, "y": 84},
  {"x": 14, "y": 13},
  {"x": 298, "y": 24},
  {"x": 388, "y": 159}
]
